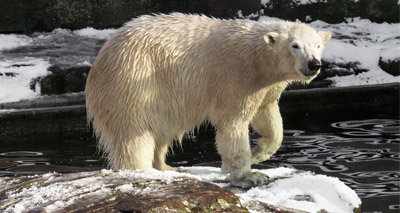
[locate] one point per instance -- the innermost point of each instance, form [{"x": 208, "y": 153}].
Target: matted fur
[{"x": 162, "y": 75}]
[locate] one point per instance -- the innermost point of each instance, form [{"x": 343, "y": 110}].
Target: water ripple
[{"x": 362, "y": 153}]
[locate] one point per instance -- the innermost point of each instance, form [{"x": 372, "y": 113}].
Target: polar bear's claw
[{"x": 250, "y": 180}]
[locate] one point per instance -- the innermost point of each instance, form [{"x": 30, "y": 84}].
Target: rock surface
[
  {"x": 60, "y": 80},
  {"x": 124, "y": 191},
  {"x": 390, "y": 66}
]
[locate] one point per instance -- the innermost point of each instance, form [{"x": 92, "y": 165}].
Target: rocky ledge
[
  {"x": 155, "y": 191},
  {"x": 35, "y": 193}
]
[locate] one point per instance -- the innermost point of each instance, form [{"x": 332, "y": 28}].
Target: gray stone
[
  {"x": 391, "y": 66},
  {"x": 61, "y": 80}
]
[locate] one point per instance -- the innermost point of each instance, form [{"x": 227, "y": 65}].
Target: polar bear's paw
[
  {"x": 181, "y": 170},
  {"x": 249, "y": 180}
]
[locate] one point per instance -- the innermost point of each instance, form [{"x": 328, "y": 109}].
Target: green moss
[{"x": 223, "y": 203}]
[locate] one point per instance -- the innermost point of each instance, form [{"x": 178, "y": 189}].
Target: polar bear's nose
[{"x": 314, "y": 65}]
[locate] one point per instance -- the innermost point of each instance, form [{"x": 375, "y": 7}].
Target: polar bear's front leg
[
  {"x": 268, "y": 123},
  {"x": 234, "y": 148}
]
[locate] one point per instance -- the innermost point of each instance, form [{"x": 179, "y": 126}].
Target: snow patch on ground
[
  {"x": 370, "y": 77},
  {"x": 390, "y": 54},
  {"x": 264, "y": 2},
  {"x": 10, "y": 41},
  {"x": 94, "y": 33},
  {"x": 16, "y": 73},
  {"x": 324, "y": 193},
  {"x": 321, "y": 192},
  {"x": 24, "y": 70},
  {"x": 363, "y": 42},
  {"x": 302, "y": 2}
]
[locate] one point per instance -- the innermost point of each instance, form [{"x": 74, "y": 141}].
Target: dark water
[{"x": 363, "y": 153}]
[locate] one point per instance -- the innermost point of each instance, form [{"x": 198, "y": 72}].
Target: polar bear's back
[
  {"x": 160, "y": 46},
  {"x": 150, "y": 75}
]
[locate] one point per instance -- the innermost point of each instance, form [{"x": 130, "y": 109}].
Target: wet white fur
[{"x": 161, "y": 76}]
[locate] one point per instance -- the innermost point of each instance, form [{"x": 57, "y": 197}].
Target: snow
[
  {"x": 93, "y": 33},
  {"x": 10, "y": 41},
  {"x": 370, "y": 77},
  {"x": 390, "y": 54},
  {"x": 326, "y": 194},
  {"x": 18, "y": 87},
  {"x": 302, "y": 2},
  {"x": 264, "y": 2},
  {"x": 360, "y": 41},
  {"x": 15, "y": 79},
  {"x": 71, "y": 190}
]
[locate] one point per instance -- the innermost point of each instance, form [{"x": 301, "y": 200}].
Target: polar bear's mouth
[{"x": 309, "y": 73}]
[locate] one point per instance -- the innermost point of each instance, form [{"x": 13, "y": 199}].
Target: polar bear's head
[
  {"x": 303, "y": 48},
  {"x": 306, "y": 46}
]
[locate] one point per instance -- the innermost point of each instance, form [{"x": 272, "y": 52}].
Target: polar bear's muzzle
[{"x": 313, "y": 65}]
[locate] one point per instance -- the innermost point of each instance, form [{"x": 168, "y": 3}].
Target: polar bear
[{"x": 163, "y": 75}]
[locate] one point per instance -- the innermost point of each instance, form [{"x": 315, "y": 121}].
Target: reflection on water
[
  {"x": 362, "y": 153},
  {"x": 41, "y": 153}
]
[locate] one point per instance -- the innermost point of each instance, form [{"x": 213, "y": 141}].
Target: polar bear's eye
[
  {"x": 295, "y": 46},
  {"x": 319, "y": 46}
]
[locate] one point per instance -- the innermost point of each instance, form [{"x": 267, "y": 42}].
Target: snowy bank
[
  {"x": 289, "y": 190},
  {"x": 363, "y": 44},
  {"x": 16, "y": 76},
  {"x": 25, "y": 59}
]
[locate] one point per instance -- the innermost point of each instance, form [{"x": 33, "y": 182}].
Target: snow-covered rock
[{"x": 290, "y": 190}]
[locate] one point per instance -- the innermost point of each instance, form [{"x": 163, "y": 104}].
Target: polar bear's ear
[
  {"x": 271, "y": 37},
  {"x": 325, "y": 35}
]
